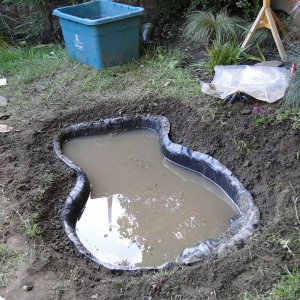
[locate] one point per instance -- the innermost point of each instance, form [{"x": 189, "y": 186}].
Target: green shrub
[
  {"x": 222, "y": 54},
  {"x": 206, "y": 27}
]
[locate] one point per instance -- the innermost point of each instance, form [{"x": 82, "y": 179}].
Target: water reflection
[
  {"x": 143, "y": 210},
  {"x": 132, "y": 227}
]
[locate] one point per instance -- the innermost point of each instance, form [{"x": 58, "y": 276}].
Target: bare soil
[{"x": 262, "y": 157}]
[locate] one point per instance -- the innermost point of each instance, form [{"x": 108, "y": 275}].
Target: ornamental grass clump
[
  {"x": 223, "y": 54},
  {"x": 292, "y": 98},
  {"x": 205, "y": 27}
]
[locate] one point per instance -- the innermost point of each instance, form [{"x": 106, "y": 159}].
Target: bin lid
[{"x": 91, "y": 13}]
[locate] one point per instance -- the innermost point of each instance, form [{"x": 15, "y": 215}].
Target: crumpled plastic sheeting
[{"x": 263, "y": 83}]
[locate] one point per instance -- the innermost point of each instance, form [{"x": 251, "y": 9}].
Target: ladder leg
[
  {"x": 278, "y": 23},
  {"x": 253, "y": 28},
  {"x": 275, "y": 33}
]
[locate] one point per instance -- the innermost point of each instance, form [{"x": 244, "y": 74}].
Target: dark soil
[{"x": 267, "y": 167}]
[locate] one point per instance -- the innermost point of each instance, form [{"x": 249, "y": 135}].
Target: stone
[
  {"x": 3, "y": 101},
  {"x": 270, "y": 63},
  {"x": 246, "y": 111},
  {"x": 27, "y": 288},
  {"x": 246, "y": 163},
  {"x": 4, "y": 128}
]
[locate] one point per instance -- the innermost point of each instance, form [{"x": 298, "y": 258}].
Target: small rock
[
  {"x": 3, "y": 101},
  {"x": 27, "y": 288},
  {"x": 246, "y": 111},
  {"x": 4, "y": 128},
  {"x": 246, "y": 163},
  {"x": 94, "y": 296},
  {"x": 270, "y": 63}
]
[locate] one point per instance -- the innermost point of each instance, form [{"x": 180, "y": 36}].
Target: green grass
[
  {"x": 241, "y": 146},
  {"x": 28, "y": 64},
  {"x": 45, "y": 80},
  {"x": 9, "y": 261},
  {"x": 51, "y": 180},
  {"x": 281, "y": 115},
  {"x": 286, "y": 287},
  {"x": 30, "y": 227}
]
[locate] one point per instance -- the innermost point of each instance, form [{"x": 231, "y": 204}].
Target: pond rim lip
[{"x": 239, "y": 230}]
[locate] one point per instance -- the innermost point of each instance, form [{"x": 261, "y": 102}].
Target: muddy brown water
[{"x": 143, "y": 210}]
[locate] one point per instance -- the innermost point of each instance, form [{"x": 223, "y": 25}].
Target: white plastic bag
[{"x": 263, "y": 83}]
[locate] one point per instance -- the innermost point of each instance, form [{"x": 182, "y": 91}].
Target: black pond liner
[{"x": 239, "y": 230}]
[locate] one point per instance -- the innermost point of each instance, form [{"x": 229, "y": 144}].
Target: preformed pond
[
  {"x": 143, "y": 210},
  {"x": 143, "y": 202}
]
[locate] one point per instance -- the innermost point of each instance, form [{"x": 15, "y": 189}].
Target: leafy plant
[
  {"x": 263, "y": 120},
  {"x": 257, "y": 57},
  {"x": 203, "y": 27},
  {"x": 222, "y": 54}
]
